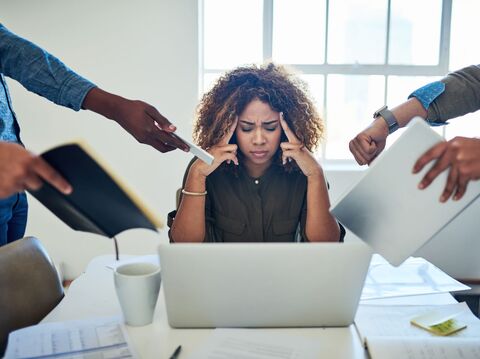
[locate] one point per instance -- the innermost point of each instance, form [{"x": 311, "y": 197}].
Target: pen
[{"x": 176, "y": 352}]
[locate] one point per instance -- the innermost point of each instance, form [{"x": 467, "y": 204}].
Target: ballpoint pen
[{"x": 176, "y": 352}]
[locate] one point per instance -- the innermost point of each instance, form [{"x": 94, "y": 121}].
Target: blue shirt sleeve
[
  {"x": 40, "y": 72},
  {"x": 427, "y": 94}
]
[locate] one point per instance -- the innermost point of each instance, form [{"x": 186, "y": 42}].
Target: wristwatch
[{"x": 389, "y": 118}]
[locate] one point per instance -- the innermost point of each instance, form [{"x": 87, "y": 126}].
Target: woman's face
[{"x": 258, "y": 133}]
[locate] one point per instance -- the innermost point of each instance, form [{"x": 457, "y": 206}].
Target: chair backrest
[{"x": 29, "y": 286}]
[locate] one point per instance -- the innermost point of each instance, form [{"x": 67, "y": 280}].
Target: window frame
[{"x": 327, "y": 69}]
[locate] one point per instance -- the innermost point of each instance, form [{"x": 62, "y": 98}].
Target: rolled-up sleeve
[
  {"x": 461, "y": 95},
  {"x": 40, "y": 72}
]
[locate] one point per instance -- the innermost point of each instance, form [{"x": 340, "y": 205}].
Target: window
[{"x": 355, "y": 54}]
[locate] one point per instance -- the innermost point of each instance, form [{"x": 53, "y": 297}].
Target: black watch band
[{"x": 389, "y": 118}]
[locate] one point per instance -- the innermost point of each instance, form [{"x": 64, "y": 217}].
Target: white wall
[{"x": 145, "y": 49}]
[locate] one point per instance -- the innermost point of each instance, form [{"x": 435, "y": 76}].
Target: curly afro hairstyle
[{"x": 270, "y": 83}]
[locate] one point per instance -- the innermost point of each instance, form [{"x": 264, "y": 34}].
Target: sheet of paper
[
  {"x": 150, "y": 258},
  {"x": 253, "y": 344},
  {"x": 96, "y": 338},
  {"x": 391, "y": 321},
  {"x": 423, "y": 348},
  {"x": 414, "y": 276}
]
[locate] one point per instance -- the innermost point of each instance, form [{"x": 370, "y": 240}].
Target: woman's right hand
[{"x": 223, "y": 151}]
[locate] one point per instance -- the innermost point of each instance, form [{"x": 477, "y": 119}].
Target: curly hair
[{"x": 272, "y": 84}]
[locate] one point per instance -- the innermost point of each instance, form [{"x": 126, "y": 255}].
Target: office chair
[{"x": 29, "y": 286}]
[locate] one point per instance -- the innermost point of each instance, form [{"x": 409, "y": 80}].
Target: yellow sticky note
[{"x": 445, "y": 326}]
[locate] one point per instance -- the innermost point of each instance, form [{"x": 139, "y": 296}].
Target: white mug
[{"x": 137, "y": 286}]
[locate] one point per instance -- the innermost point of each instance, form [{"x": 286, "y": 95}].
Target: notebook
[
  {"x": 386, "y": 209},
  {"x": 100, "y": 202},
  {"x": 211, "y": 285}
]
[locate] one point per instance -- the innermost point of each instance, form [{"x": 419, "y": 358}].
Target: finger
[
  {"x": 161, "y": 146},
  {"x": 434, "y": 152},
  {"x": 159, "y": 120},
  {"x": 32, "y": 182},
  {"x": 228, "y": 148},
  {"x": 288, "y": 132},
  {"x": 291, "y": 146},
  {"x": 42, "y": 169},
  {"x": 461, "y": 188},
  {"x": 230, "y": 132},
  {"x": 359, "y": 156},
  {"x": 169, "y": 139},
  {"x": 451, "y": 184},
  {"x": 440, "y": 165},
  {"x": 228, "y": 157}
]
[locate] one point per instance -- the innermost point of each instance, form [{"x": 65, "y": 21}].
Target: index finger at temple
[
  {"x": 288, "y": 132},
  {"x": 230, "y": 132}
]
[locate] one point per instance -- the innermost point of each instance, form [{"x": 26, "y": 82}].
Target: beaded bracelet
[{"x": 194, "y": 193}]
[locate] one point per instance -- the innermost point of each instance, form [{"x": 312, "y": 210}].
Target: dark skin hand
[
  {"x": 140, "y": 119},
  {"x": 21, "y": 170},
  {"x": 461, "y": 156}
]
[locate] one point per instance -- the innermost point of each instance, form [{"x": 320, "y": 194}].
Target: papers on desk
[
  {"x": 253, "y": 344},
  {"x": 388, "y": 333},
  {"x": 415, "y": 276},
  {"x": 394, "y": 320},
  {"x": 420, "y": 348},
  {"x": 92, "y": 339}
]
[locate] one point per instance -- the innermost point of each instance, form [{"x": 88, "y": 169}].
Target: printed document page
[
  {"x": 253, "y": 344},
  {"x": 96, "y": 338},
  {"x": 423, "y": 348},
  {"x": 414, "y": 276},
  {"x": 394, "y": 321}
]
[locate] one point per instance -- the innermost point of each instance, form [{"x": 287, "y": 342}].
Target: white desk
[{"x": 93, "y": 295}]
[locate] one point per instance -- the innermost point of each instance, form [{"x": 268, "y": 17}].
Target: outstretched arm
[
  {"x": 44, "y": 74},
  {"x": 369, "y": 143}
]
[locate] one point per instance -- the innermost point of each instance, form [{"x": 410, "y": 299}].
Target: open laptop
[
  {"x": 386, "y": 209},
  {"x": 263, "y": 284}
]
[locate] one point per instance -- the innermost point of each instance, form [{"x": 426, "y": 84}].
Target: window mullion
[
  {"x": 267, "y": 29},
  {"x": 444, "y": 53}
]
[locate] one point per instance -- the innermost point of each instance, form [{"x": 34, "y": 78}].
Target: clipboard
[{"x": 386, "y": 209}]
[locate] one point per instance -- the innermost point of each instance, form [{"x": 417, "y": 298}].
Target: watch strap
[{"x": 389, "y": 118}]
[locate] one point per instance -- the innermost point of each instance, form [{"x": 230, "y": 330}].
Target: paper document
[
  {"x": 196, "y": 150},
  {"x": 415, "y": 276},
  {"x": 394, "y": 320},
  {"x": 423, "y": 348},
  {"x": 253, "y": 344},
  {"x": 386, "y": 209},
  {"x": 92, "y": 339}
]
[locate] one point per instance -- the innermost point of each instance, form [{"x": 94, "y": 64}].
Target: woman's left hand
[{"x": 295, "y": 149}]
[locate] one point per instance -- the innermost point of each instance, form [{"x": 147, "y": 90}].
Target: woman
[{"x": 264, "y": 184}]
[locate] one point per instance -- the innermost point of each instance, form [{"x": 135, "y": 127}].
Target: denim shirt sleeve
[{"x": 40, "y": 72}]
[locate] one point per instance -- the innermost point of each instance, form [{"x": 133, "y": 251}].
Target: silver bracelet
[{"x": 194, "y": 193}]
